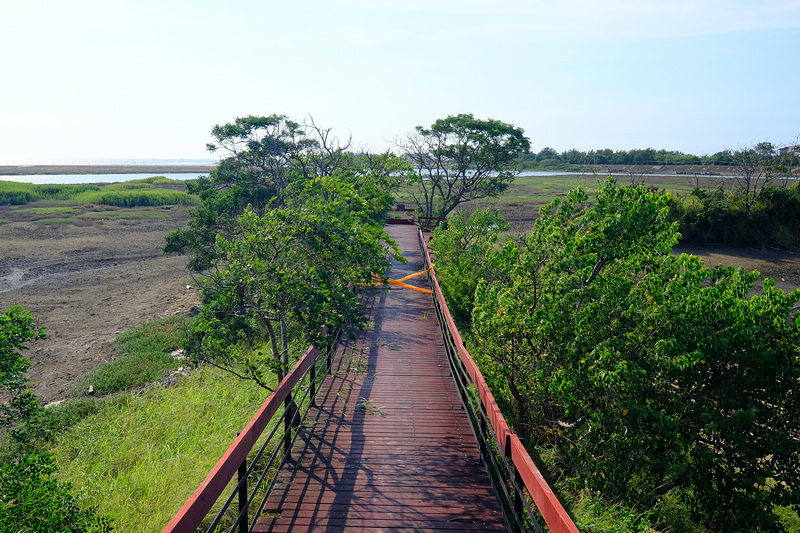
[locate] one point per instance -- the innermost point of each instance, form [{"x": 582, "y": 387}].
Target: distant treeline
[{"x": 550, "y": 158}]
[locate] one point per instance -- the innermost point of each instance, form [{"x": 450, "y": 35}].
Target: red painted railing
[
  {"x": 548, "y": 505},
  {"x": 200, "y": 503}
]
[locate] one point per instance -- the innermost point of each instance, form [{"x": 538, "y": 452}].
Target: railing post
[
  {"x": 313, "y": 385},
  {"x": 518, "y": 483},
  {"x": 242, "y": 479},
  {"x": 288, "y": 413},
  {"x": 483, "y": 433},
  {"x": 517, "y": 514}
]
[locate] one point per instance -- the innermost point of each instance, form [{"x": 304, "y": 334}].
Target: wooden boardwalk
[{"x": 389, "y": 447}]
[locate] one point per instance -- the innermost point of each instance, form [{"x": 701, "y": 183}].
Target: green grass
[
  {"x": 140, "y": 458},
  {"x": 155, "y": 191},
  {"x": 128, "y": 186},
  {"x": 138, "y": 214},
  {"x": 52, "y": 210},
  {"x": 161, "y": 180},
  {"x": 4, "y": 221},
  {"x": 15, "y": 193},
  {"x": 55, "y": 221},
  {"x": 147, "y": 357},
  {"x": 137, "y": 197}
]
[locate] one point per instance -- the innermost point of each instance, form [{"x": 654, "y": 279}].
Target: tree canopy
[
  {"x": 289, "y": 222},
  {"x": 267, "y": 160},
  {"x": 648, "y": 373},
  {"x": 461, "y": 158}
]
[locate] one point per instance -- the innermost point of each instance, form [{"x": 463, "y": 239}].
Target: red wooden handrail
[
  {"x": 199, "y": 504},
  {"x": 552, "y": 511}
]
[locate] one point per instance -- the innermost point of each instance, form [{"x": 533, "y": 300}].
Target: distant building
[{"x": 787, "y": 149}]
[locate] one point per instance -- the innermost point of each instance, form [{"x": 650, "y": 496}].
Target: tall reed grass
[{"x": 127, "y": 194}]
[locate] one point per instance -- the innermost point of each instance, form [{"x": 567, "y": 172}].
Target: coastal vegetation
[
  {"x": 31, "y": 498},
  {"x": 656, "y": 392},
  {"x": 460, "y": 159},
  {"x": 146, "y": 192},
  {"x": 647, "y": 378},
  {"x": 290, "y": 223},
  {"x": 550, "y": 159},
  {"x": 130, "y": 453}
]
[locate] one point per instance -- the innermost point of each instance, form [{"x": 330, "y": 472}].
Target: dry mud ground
[{"x": 88, "y": 282}]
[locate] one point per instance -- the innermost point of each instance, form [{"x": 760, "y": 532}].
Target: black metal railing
[
  {"x": 256, "y": 473},
  {"x": 512, "y": 471}
]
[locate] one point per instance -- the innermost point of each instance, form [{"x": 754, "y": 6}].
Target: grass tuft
[
  {"x": 52, "y": 210},
  {"x": 147, "y": 357},
  {"x": 136, "y": 197},
  {"x": 55, "y": 221},
  {"x": 138, "y": 214}
]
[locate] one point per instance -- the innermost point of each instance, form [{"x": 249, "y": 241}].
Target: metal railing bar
[
  {"x": 271, "y": 484},
  {"x": 473, "y": 406},
  {"x": 241, "y": 519},
  {"x": 223, "y": 510},
  {"x": 205, "y": 496}
]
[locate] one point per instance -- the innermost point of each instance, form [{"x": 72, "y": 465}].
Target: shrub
[
  {"x": 648, "y": 373},
  {"x": 32, "y": 500}
]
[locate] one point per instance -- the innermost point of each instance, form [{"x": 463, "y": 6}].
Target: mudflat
[{"x": 87, "y": 282}]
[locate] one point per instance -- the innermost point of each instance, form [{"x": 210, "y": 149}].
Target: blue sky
[{"x": 148, "y": 79}]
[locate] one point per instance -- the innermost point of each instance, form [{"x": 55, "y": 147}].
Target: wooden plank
[{"x": 389, "y": 447}]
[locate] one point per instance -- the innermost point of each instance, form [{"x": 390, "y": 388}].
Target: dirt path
[{"x": 86, "y": 284}]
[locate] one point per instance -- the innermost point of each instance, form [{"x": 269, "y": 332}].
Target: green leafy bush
[
  {"x": 31, "y": 499},
  {"x": 648, "y": 373},
  {"x": 718, "y": 216}
]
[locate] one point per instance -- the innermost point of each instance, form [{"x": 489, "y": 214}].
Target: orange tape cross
[{"x": 377, "y": 281}]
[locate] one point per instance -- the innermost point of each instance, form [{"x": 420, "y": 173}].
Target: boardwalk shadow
[{"x": 388, "y": 446}]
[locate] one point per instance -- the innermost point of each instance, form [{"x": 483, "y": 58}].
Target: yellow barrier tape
[{"x": 378, "y": 281}]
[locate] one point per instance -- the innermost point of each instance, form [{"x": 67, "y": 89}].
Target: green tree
[
  {"x": 264, "y": 157},
  {"x": 30, "y": 499},
  {"x": 757, "y": 169},
  {"x": 17, "y": 329},
  {"x": 464, "y": 249},
  {"x": 292, "y": 268},
  {"x": 648, "y": 373},
  {"x": 461, "y": 158}
]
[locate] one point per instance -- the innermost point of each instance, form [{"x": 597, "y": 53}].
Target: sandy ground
[{"x": 86, "y": 284}]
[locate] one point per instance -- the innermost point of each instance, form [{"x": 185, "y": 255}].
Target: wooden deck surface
[{"x": 389, "y": 447}]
